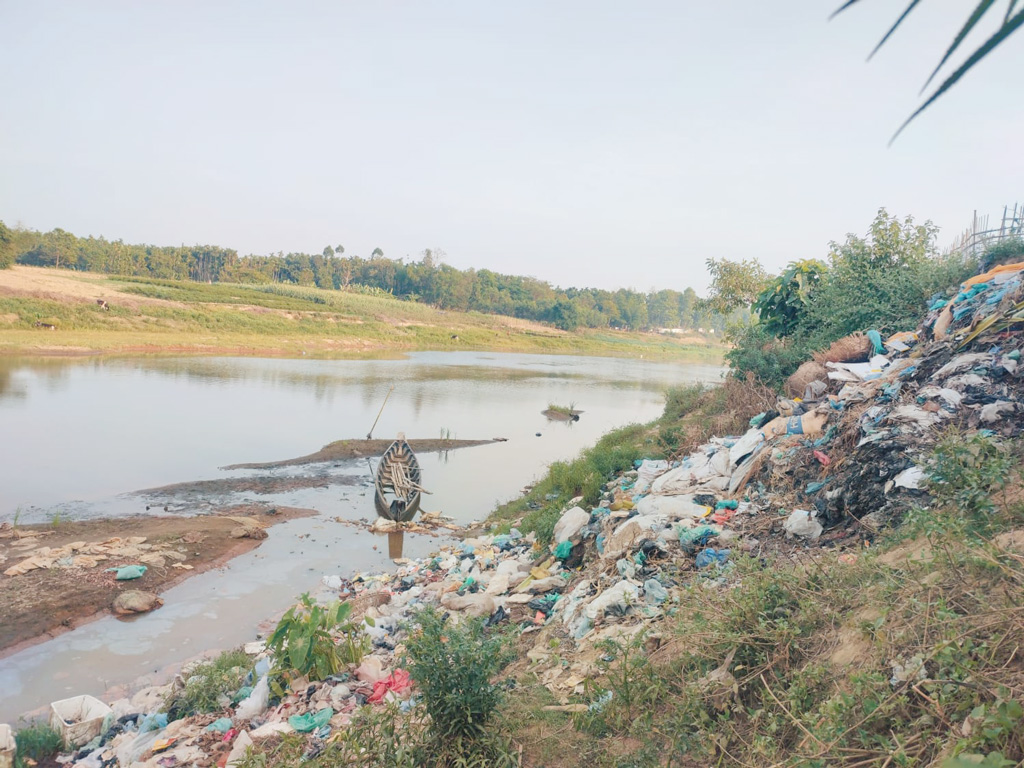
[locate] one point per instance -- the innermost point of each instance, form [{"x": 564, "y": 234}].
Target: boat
[{"x": 397, "y": 483}]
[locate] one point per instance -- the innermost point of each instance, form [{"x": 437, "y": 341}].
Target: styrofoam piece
[
  {"x": 8, "y": 746},
  {"x": 78, "y": 720}
]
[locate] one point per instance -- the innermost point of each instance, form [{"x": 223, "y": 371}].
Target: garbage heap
[{"x": 829, "y": 467}]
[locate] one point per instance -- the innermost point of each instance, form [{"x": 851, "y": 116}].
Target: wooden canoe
[{"x": 397, "y": 483}]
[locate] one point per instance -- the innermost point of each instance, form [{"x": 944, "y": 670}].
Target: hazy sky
[{"x": 594, "y": 143}]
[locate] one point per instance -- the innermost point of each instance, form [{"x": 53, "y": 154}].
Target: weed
[
  {"x": 36, "y": 743},
  {"x": 210, "y": 685}
]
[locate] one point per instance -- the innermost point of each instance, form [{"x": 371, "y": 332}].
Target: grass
[
  {"x": 292, "y": 320},
  {"x": 36, "y": 743},
  {"x": 209, "y": 685},
  {"x": 584, "y": 476}
]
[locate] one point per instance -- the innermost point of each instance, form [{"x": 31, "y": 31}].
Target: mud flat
[
  {"x": 43, "y": 602},
  {"x": 342, "y": 450}
]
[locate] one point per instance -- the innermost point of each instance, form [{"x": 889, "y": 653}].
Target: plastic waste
[
  {"x": 223, "y": 725},
  {"x": 692, "y": 538},
  {"x": 311, "y": 720},
  {"x": 712, "y": 556},
  {"x": 616, "y": 599},
  {"x": 570, "y": 523},
  {"x": 127, "y": 572},
  {"x": 876, "y": 342},
  {"x": 803, "y": 524},
  {"x": 256, "y": 702},
  {"x": 626, "y": 569},
  {"x": 563, "y": 550},
  {"x": 155, "y": 721},
  {"x": 332, "y": 581},
  {"x": 654, "y": 592},
  {"x": 727, "y": 504}
]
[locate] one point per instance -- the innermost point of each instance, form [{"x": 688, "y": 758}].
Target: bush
[
  {"x": 452, "y": 666},
  {"x": 769, "y": 360},
  {"x": 1005, "y": 251}
]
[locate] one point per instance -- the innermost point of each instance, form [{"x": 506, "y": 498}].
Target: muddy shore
[
  {"x": 342, "y": 450},
  {"x": 45, "y": 602}
]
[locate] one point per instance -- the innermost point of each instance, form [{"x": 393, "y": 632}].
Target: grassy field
[{"x": 47, "y": 311}]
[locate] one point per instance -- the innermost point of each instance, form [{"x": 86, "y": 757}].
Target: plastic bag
[
  {"x": 311, "y": 720},
  {"x": 126, "y": 572},
  {"x": 802, "y": 523},
  {"x": 256, "y": 702}
]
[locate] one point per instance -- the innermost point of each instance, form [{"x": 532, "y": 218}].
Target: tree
[
  {"x": 377, "y": 254},
  {"x": 6, "y": 246},
  {"x": 734, "y": 284},
  {"x": 782, "y": 305},
  {"x": 328, "y": 252},
  {"x": 879, "y": 281}
]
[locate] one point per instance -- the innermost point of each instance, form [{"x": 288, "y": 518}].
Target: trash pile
[{"x": 836, "y": 463}]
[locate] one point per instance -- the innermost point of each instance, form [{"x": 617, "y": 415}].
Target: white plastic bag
[{"x": 256, "y": 702}]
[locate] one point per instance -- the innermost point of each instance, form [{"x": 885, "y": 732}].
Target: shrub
[
  {"x": 768, "y": 359},
  {"x": 452, "y": 666},
  {"x": 1005, "y": 251}
]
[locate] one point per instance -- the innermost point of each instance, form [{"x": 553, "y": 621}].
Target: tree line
[{"x": 427, "y": 279}]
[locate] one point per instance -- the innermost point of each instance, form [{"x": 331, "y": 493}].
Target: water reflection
[{"x": 396, "y": 541}]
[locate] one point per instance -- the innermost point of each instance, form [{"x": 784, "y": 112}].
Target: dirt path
[
  {"x": 341, "y": 450},
  {"x": 45, "y": 602}
]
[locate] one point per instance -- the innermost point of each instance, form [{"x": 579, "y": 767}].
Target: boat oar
[{"x": 369, "y": 435}]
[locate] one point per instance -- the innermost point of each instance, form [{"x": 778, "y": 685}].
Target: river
[{"x": 83, "y": 436}]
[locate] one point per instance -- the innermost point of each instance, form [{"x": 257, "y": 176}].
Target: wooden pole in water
[{"x": 369, "y": 435}]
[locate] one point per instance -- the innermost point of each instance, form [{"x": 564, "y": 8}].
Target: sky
[{"x": 583, "y": 142}]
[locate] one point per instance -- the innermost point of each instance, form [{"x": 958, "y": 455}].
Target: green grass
[
  {"x": 293, "y": 320},
  {"x": 584, "y": 476},
  {"x": 36, "y": 742}
]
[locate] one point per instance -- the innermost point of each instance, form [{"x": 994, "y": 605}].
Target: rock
[
  {"x": 570, "y": 523},
  {"x": 133, "y": 601}
]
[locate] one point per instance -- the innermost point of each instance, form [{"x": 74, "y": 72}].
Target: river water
[{"x": 82, "y": 437}]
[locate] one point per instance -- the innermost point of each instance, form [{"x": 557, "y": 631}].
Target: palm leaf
[
  {"x": 1000, "y": 35},
  {"x": 1009, "y": 11},
  {"x": 975, "y": 17},
  {"x": 892, "y": 29},
  {"x": 842, "y": 8}
]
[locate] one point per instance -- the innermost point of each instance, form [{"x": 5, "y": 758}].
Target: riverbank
[
  {"x": 58, "y": 312},
  {"x": 56, "y": 578},
  {"x": 747, "y": 581}
]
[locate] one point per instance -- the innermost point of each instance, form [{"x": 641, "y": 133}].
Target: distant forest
[{"x": 426, "y": 280}]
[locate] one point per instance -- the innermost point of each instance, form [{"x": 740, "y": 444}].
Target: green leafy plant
[
  {"x": 304, "y": 642},
  {"x": 782, "y": 304}
]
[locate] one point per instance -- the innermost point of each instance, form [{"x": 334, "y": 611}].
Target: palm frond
[
  {"x": 892, "y": 29},
  {"x": 999, "y": 36},
  {"x": 975, "y": 17},
  {"x": 842, "y": 8}
]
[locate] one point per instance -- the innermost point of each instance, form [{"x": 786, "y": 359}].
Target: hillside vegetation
[{"x": 47, "y": 310}]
